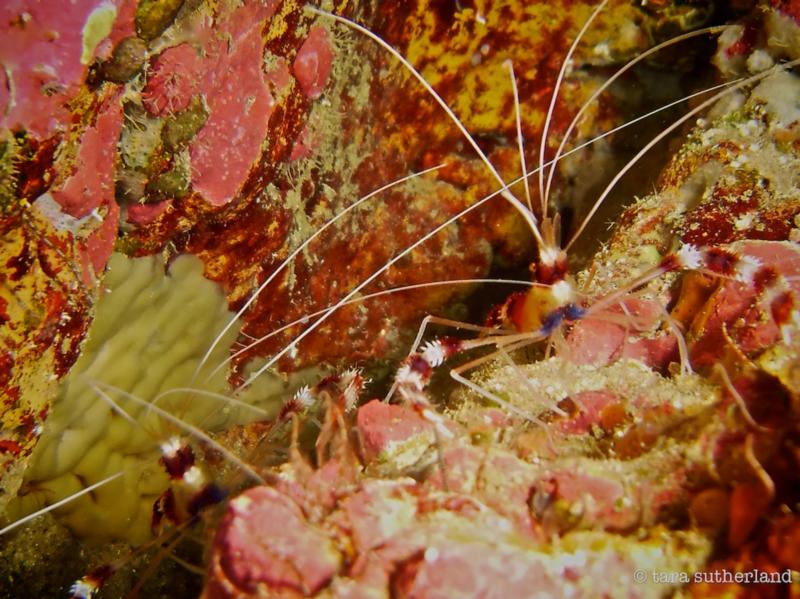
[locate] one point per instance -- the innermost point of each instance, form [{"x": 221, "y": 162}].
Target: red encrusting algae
[{"x": 638, "y": 463}]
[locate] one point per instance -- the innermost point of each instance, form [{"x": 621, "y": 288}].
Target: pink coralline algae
[
  {"x": 92, "y": 182},
  {"x": 313, "y": 62},
  {"x": 91, "y": 188},
  {"x": 40, "y": 80},
  {"x": 338, "y": 532},
  {"x": 99, "y": 245},
  {"x": 240, "y": 105},
  {"x": 305, "y": 560},
  {"x": 175, "y": 79},
  {"x": 141, "y": 214},
  {"x": 599, "y": 340},
  {"x": 239, "y": 100}
]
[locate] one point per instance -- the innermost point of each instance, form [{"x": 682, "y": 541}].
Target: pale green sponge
[{"x": 149, "y": 334}]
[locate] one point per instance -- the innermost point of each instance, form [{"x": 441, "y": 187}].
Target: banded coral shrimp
[
  {"x": 558, "y": 308},
  {"x": 576, "y": 493},
  {"x": 416, "y": 370},
  {"x": 750, "y": 269},
  {"x": 555, "y": 501}
]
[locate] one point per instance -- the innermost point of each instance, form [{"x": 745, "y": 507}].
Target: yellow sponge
[{"x": 148, "y": 336}]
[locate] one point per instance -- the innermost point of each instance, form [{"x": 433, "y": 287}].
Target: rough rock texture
[
  {"x": 150, "y": 356},
  {"x": 503, "y": 525},
  {"x": 637, "y": 466},
  {"x": 234, "y": 131},
  {"x": 670, "y": 463}
]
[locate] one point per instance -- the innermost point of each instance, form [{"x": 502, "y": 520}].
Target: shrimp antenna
[
  {"x": 299, "y": 249},
  {"x": 607, "y": 83},
  {"x": 505, "y": 192},
  {"x": 520, "y": 145},
  {"x": 667, "y": 131},
  {"x": 58, "y": 504},
  {"x": 548, "y": 119}
]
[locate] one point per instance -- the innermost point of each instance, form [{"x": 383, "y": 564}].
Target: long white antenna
[
  {"x": 554, "y": 97},
  {"x": 608, "y": 82},
  {"x": 666, "y": 132},
  {"x": 520, "y": 144},
  {"x": 507, "y": 195},
  {"x": 58, "y": 504},
  {"x": 299, "y": 249}
]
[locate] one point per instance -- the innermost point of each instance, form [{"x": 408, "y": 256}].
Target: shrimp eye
[{"x": 573, "y": 312}]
